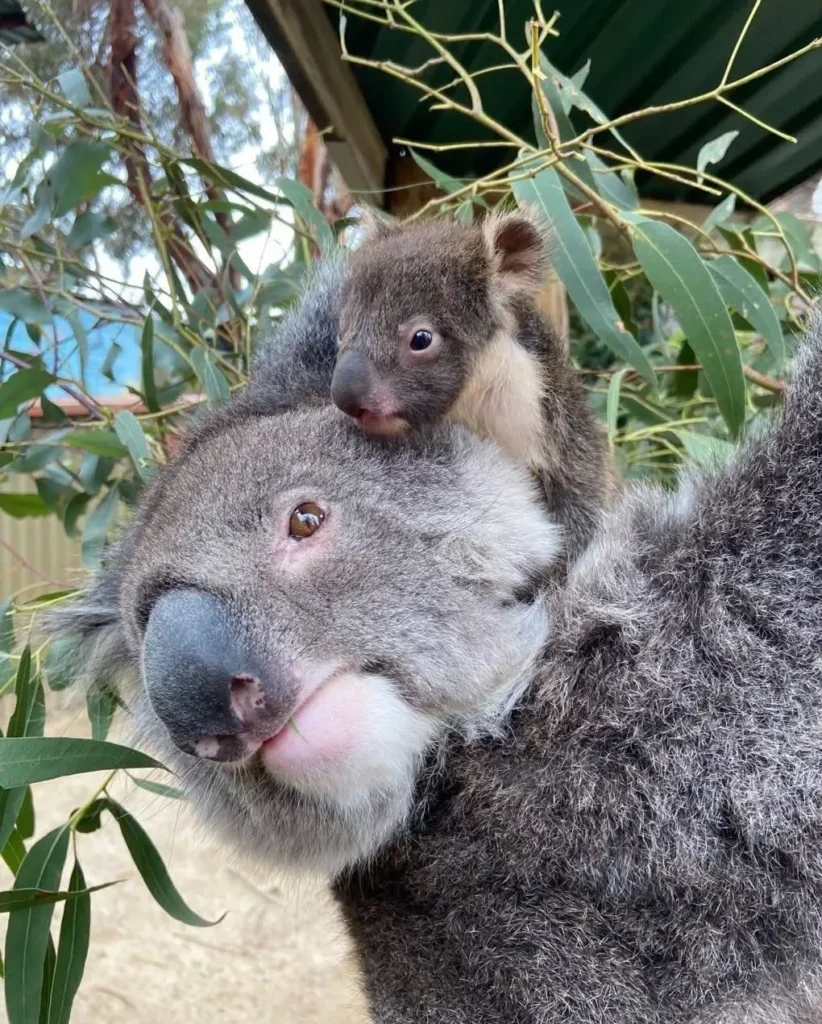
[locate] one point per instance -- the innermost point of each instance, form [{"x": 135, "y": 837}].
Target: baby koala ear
[
  {"x": 518, "y": 250},
  {"x": 376, "y": 224}
]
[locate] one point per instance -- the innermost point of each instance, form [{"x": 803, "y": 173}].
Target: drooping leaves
[
  {"x": 577, "y": 268},
  {"x": 679, "y": 274}
]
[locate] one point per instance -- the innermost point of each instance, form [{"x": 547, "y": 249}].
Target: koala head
[
  {"x": 307, "y": 610},
  {"x": 420, "y": 304}
]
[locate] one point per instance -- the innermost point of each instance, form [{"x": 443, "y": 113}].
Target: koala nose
[
  {"x": 202, "y": 680},
  {"x": 352, "y": 383}
]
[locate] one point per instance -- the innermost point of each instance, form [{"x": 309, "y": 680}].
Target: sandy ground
[{"x": 280, "y": 954}]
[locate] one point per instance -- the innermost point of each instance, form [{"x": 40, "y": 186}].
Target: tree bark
[
  {"x": 171, "y": 25},
  {"x": 126, "y": 103}
]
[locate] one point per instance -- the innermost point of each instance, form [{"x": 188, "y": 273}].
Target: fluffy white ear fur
[{"x": 517, "y": 244}]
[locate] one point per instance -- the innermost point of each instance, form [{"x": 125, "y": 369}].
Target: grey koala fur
[
  {"x": 496, "y": 365},
  {"x": 616, "y": 813}
]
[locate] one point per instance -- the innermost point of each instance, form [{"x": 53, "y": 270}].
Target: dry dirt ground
[{"x": 279, "y": 955}]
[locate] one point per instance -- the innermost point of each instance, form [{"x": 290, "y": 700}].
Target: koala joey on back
[{"x": 439, "y": 320}]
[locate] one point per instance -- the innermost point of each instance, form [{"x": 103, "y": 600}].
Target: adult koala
[{"x": 600, "y": 804}]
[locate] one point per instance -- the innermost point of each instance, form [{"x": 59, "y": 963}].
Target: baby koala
[{"x": 439, "y": 320}]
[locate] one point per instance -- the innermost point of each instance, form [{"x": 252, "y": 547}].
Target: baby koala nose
[{"x": 352, "y": 383}]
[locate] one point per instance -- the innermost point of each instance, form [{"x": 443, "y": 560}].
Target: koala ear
[
  {"x": 376, "y": 224},
  {"x": 516, "y": 243}
]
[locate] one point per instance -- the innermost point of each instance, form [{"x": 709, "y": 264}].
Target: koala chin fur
[{"x": 600, "y": 802}]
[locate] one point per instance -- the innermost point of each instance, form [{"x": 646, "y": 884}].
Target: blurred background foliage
[{"x": 156, "y": 220}]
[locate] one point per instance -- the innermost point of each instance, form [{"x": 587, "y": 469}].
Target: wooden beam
[{"x": 301, "y": 35}]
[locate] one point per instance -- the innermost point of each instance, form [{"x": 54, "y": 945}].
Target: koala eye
[
  {"x": 421, "y": 340},
  {"x": 306, "y": 519}
]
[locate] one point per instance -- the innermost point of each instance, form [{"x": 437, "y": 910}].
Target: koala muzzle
[
  {"x": 203, "y": 681},
  {"x": 352, "y": 383}
]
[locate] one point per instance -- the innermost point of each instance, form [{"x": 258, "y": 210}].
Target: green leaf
[
  {"x": 228, "y": 179},
  {"x": 95, "y": 528},
  {"x": 26, "y": 819},
  {"x": 95, "y": 471},
  {"x": 50, "y": 491},
  {"x": 51, "y": 413},
  {"x": 721, "y": 213},
  {"x": 35, "y": 457},
  {"x": 74, "y": 86},
  {"x": 48, "y": 977},
  {"x": 14, "y": 899},
  {"x": 575, "y": 265},
  {"x": 101, "y": 705},
  {"x": 703, "y": 449},
  {"x": 44, "y": 599},
  {"x": 23, "y": 761},
  {"x": 157, "y": 788},
  {"x": 27, "y": 937},
  {"x": 76, "y": 176},
  {"x": 565, "y": 129},
  {"x": 210, "y": 376},
  {"x": 150, "y": 865},
  {"x": 677, "y": 272},
  {"x": 75, "y": 930},
  {"x": 251, "y": 223},
  {"x": 24, "y": 305},
  {"x": 440, "y": 178},
  {"x": 56, "y": 663},
  {"x": 14, "y": 852},
  {"x": 576, "y": 97},
  {"x": 22, "y": 506},
  {"x": 739, "y": 289},
  {"x": 26, "y": 720},
  {"x": 88, "y": 227},
  {"x": 72, "y": 512},
  {"x": 91, "y": 818},
  {"x": 147, "y": 364},
  {"x": 98, "y": 442},
  {"x": 128, "y": 429},
  {"x": 610, "y": 185},
  {"x": 612, "y": 403},
  {"x": 107, "y": 369},
  {"x": 683, "y": 383},
  {"x": 712, "y": 152},
  {"x": 22, "y": 386},
  {"x": 301, "y": 199}
]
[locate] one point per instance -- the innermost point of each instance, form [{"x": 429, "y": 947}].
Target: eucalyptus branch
[{"x": 88, "y": 404}]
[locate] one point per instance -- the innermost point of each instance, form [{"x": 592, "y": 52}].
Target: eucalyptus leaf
[
  {"x": 27, "y": 936},
  {"x": 739, "y": 289},
  {"x": 23, "y": 506},
  {"x": 98, "y": 442},
  {"x": 72, "y": 949},
  {"x": 300, "y": 197},
  {"x": 27, "y": 760},
  {"x": 577, "y": 269},
  {"x": 75, "y": 88},
  {"x": 154, "y": 873},
  {"x": 96, "y": 526},
  {"x": 210, "y": 376},
  {"x": 147, "y": 364},
  {"x": 129, "y": 431},
  {"x": 678, "y": 273},
  {"x": 712, "y": 152}
]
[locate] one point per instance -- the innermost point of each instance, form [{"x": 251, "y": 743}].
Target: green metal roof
[
  {"x": 642, "y": 52},
  {"x": 13, "y": 25}
]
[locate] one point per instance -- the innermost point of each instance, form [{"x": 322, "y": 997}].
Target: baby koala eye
[
  {"x": 421, "y": 340},
  {"x": 305, "y": 520}
]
